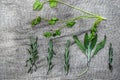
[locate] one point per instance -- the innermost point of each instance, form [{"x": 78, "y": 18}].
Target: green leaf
[
  {"x": 70, "y": 24},
  {"x": 93, "y": 42},
  {"x": 100, "y": 46},
  {"x": 80, "y": 45},
  {"x": 53, "y": 3},
  {"x": 37, "y": 5},
  {"x": 57, "y": 33},
  {"x": 47, "y": 34},
  {"x": 110, "y": 57},
  {"x": 86, "y": 40},
  {"x": 53, "y": 21},
  {"x": 36, "y": 21}
]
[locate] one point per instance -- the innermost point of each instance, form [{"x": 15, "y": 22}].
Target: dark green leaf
[
  {"x": 47, "y": 34},
  {"x": 110, "y": 57},
  {"x": 36, "y": 21},
  {"x": 70, "y": 24},
  {"x": 80, "y": 45},
  {"x": 93, "y": 42},
  {"x": 100, "y": 46},
  {"x": 57, "y": 33},
  {"x": 86, "y": 40},
  {"x": 37, "y": 5},
  {"x": 53, "y": 3}
]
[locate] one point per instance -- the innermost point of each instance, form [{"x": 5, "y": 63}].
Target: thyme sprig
[{"x": 33, "y": 55}]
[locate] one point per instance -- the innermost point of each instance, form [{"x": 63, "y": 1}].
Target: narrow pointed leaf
[
  {"x": 110, "y": 57},
  {"x": 86, "y": 40},
  {"x": 93, "y": 42}
]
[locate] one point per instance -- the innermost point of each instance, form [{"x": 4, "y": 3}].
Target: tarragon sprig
[
  {"x": 33, "y": 55},
  {"x": 67, "y": 57}
]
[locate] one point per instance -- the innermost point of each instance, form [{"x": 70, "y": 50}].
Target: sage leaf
[
  {"x": 100, "y": 46},
  {"x": 70, "y": 24},
  {"x": 37, "y": 5},
  {"x": 53, "y": 3},
  {"x": 80, "y": 45},
  {"x": 110, "y": 57},
  {"x": 36, "y": 21},
  {"x": 86, "y": 40}
]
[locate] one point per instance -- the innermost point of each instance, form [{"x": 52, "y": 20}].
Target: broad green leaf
[
  {"x": 53, "y": 3},
  {"x": 80, "y": 45},
  {"x": 93, "y": 42},
  {"x": 57, "y": 33},
  {"x": 86, "y": 40},
  {"x": 37, "y": 5},
  {"x": 36, "y": 21},
  {"x": 47, "y": 34},
  {"x": 70, "y": 24},
  {"x": 100, "y": 46}
]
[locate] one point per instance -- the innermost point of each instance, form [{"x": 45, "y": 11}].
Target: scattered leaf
[
  {"x": 36, "y": 21},
  {"x": 53, "y": 3},
  {"x": 37, "y": 5},
  {"x": 70, "y": 24}
]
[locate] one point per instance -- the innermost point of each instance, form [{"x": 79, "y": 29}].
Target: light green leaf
[
  {"x": 86, "y": 40},
  {"x": 53, "y": 21},
  {"x": 70, "y": 24},
  {"x": 53, "y": 3},
  {"x": 100, "y": 46},
  {"x": 36, "y": 21},
  {"x": 37, "y": 5},
  {"x": 57, "y": 33},
  {"x": 80, "y": 45},
  {"x": 47, "y": 34}
]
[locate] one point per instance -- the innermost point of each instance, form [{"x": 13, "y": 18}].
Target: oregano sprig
[
  {"x": 67, "y": 57},
  {"x": 50, "y": 56},
  {"x": 33, "y": 55}
]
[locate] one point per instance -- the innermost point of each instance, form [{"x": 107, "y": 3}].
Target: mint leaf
[
  {"x": 53, "y": 3},
  {"x": 47, "y": 34},
  {"x": 36, "y": 21},
  {"x": 70, "y": 24},
  {"x": 53, "y": 21},
  {"x": 57, "y": 33},
  {"x": 37, "y": 5}
]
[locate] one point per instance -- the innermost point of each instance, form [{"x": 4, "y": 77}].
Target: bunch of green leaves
[
  {"x": 90, "y": 48},
  {"x": 50, "y": 56},
  {"x": 67, "y": 57},
  {"x": 110, "y": 57},
  {"x": 52, "y": 34},
  {"x": 33, "y": 53}
]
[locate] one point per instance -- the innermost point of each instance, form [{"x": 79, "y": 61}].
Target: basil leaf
[
  {"x": 93, "y": 42},
  {"x": 53, "y": 3},
  {"x": 36, "y": 21},
  {"x": 110, "y": 57},
  {"x": 80, "y": 45},
  {"x": 37, "y": 5},
  {"x": 86, "y": 40},
  {"x": 99, "y": 46},
  {"x": 70, "y": 24}
]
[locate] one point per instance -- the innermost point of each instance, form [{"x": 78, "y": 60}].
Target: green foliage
[
  {"x": 36, "y": 21},
  {"x": 110, "y": 57},
  {"x": 47, "y": 34},
  {"x": 31, "y": 62},
  {"x": 56, "y": 33},
  {"x": 50, "y": 56},
  {"x": 53, "y": 3},
  {"x": 70, "y": 24},
  {"x": 53, "y": 21},
  {"x": 80, "y": 45},
  {"x": 37, "y": 5},
  {"x": 67, "y": 57}
]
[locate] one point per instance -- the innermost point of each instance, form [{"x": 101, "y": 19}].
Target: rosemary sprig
[
  {"x": 67, "y": 57},
  {"x": 50, "y": 56},
  {"x": 110, "y": 57},
  {"x": 33, "y": 53}
]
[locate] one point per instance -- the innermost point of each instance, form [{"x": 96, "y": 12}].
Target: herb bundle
[
  {"x": 31, "y": 62},
  {"x": 67, "y": 57},
  {"x": 50, "y": 56}
]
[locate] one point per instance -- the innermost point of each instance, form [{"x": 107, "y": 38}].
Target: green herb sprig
[
  {"x": 50, "y": 56},
  {"x": 89, "y": 48},
  {"x": 67, "y": 57},
  {"x": 110, "y": 57},
  {"x": 33, "y": 53}
]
